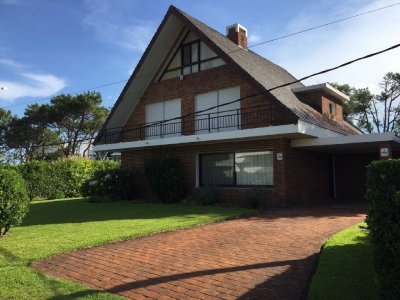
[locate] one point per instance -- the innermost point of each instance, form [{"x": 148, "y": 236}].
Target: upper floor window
[{"x": 192, "y": 56}]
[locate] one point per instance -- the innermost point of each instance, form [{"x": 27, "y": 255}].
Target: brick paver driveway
[{"x": 265, "y": 257}]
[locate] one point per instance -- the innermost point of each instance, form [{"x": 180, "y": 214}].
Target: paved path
[{"x": 266, "y": 257}]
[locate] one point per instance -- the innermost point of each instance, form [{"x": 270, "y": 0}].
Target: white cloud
[
  {"x": 254, "y": 38},
  {"x": 109, "y": 28},
  {"x": 32, "y": 85},
  {"x": 330, "y": 46},
  {"x": 11, "y": 63}
]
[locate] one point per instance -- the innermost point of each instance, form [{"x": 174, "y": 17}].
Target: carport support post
[{"x": 385, "y": 151}]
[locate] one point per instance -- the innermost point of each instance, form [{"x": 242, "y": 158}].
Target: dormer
[{"x": 324, "y": 98}]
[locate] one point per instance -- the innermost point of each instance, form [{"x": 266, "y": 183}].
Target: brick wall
[
  {"x": 213, "y": 79},
  {"x": 300, "y": 178}
]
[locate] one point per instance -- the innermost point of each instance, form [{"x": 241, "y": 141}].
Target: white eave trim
[
  {"x": 347, "y": 140},
  {"x": 300, "y": 130},
  {"x": 325, "y": 87}
]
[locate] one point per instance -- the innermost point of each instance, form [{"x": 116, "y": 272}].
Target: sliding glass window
[{"x": 237, "y": 169}]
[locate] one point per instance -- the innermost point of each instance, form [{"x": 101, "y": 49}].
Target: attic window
[{"x": 192, "y": 56}]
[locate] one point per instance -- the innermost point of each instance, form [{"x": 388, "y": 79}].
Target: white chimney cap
[{"x": 237, "y": 26}]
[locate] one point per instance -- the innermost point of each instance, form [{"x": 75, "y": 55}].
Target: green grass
[
  {"x": 345, "y": 269},
  {"x": 57, "y": 226}
]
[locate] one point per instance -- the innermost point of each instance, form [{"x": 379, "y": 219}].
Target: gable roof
[
  {"x": 262, "y": 72},
  {"x": 269, "y": 75}
]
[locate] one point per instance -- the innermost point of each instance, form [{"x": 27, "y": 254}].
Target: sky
[{"x": 49, "y": 47}]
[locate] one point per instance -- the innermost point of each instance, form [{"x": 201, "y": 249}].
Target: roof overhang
[
  {"x": 300, "y": 130},
  {"x": 325, "y": 87},
  {"x": 365, "y": 143}
]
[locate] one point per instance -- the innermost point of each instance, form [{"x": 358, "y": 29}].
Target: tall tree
[
  {"x": 76, "y": 119},
  {"x": 5, "y": 120},
  {"x": 374, "y": 113},
  {"x": 28, "y": 141}
]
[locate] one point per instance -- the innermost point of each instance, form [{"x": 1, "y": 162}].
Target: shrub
[
  {"x": 111, "y": 185},
  {"x": 207, "y": 195},
  {"x": 383, "y": 197},
  {"x": 61, "y": 178},
  {"x": 13, "y": 199},
  {"x": 166, "y": 177}
]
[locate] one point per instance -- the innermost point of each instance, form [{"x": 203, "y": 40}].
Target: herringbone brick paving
[{"x": 270, "y": 256}]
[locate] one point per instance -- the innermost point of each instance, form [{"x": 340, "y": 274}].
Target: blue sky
[{"x": 49, "y": 47}]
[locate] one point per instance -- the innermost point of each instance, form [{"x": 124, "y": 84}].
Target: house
[{"x": 207, "y": 98}]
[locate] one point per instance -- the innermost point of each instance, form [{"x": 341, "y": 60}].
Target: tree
[
  {"x": 76, "y": 119},
  {"x": 5, "y": 120},
  {"x": 381, "y": 112},
  {"x": 29, "y": 141}
]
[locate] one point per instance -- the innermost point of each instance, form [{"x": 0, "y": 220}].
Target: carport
[{"x": 348, "y": 158}]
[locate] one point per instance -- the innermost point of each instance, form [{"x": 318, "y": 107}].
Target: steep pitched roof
[
  {"x": 259, "y": 70},
  {"x": 269, "y": 75}
]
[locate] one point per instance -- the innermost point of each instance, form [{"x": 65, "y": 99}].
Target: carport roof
[{"x": 350, "y": 144}]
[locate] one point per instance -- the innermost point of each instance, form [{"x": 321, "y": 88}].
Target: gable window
[
  {"x": 192, "y": 56},
  {"x": 157, "y": 119},
  {"x": 237, "y": 169}
]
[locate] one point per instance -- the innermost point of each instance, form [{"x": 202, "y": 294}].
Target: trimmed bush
[
  {"x": 111, "y": 185},
  {"x": 383, "y": 196},
  {"x": 61, "y": 178},
  {"x": 14, "y": 199},
  {"x": 166, "y": 177}
]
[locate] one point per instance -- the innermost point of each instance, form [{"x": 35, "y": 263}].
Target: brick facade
[
  {"x": 300, "y": 177},
  {"x": 213, "y": 79}
]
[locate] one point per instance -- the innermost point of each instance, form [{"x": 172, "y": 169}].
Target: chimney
[{"x": 237, "y": 34}]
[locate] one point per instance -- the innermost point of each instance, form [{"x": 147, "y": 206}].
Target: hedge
[
  {"x": 61, "y": 178},
  {"x": 383, "y": 197}
]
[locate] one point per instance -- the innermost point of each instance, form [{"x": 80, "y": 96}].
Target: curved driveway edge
[{"x": 270, "y": 256}]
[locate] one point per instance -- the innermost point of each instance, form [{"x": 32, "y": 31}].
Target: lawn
[
  {"x": 57, "y": 226},
  {"x": 345, "y": 269}
]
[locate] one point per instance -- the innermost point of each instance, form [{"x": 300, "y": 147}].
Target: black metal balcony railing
[{"x": 247, "y": 118}]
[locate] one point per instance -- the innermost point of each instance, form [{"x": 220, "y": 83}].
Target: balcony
[{"x": 229, "y": 120}]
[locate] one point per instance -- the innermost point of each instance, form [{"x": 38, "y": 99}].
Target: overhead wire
[
  {"x": 250, "y": 46},
  {"x": 253, "y": 95}
]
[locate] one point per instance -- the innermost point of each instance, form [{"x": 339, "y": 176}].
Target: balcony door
[
  {"x": 157, "y": 119},
  {"x": 223, "y": 118}
]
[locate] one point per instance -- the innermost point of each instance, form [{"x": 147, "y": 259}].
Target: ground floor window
[{"x": 236, "y": 169}]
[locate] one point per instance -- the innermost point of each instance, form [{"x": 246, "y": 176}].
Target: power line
[
  {"x": 289, "y": 83},
  {"x": 323, "y": 25},
  {"x": 76, "y": 92},
  {"x": 251, "y": 46},
  {"x": 254, "y": 95}
]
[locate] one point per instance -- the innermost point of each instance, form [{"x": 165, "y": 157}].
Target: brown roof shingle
[{"x": 268, "y": 75}]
